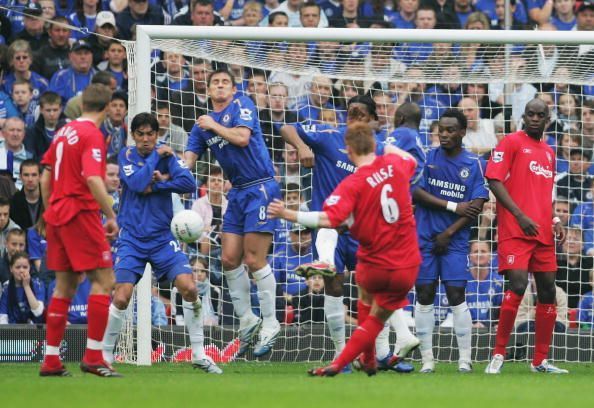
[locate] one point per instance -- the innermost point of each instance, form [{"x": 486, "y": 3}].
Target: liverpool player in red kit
[
  {"x": 521, "y": 175},
  {"x": 73, "y": 192},
  {"x": 375, "y": 203}
]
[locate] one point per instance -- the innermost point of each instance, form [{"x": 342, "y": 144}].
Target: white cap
[{"x": 105, "y": 17}]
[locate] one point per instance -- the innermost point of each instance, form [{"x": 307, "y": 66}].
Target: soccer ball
[{"x": 187, "y": 226}]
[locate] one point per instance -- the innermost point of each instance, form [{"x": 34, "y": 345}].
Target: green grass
[{"x": 265, "y": 385}]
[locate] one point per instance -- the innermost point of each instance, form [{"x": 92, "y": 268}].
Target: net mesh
[{"x": 310, "y": 83}]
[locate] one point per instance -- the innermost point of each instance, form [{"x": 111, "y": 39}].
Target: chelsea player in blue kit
[
  {"x": 149, "y": 175},
  {"x": 335, "y": 253},
  {"x": 232, "y": 133},
  {"x": 449, "y": 196}
]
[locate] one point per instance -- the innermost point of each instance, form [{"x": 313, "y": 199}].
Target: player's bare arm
[
  {"x": 46, "y": 186},
  {"x": 97, "y": 188},
  {"x": 290, "y": 135},
  {"x": 238, "y": 136},
  {"x": 310, "y": 219},
  {"x": 391, "y": 149},
  {"x": 190, "y": 159},
  {"x": 529, "y": 227}
]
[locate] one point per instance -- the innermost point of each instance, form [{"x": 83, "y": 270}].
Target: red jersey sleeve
[
  {"x": 408, "y": 166},
  {"x": 340, "y": 204},
  {"x": 93, "y": 156},
  {"x": 501, "y": 160}
]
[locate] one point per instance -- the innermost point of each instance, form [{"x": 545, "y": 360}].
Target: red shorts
[
  {"x": 526, "y": 255},
  {"x": 388, "y": 287},
  {"x": 79, "y": 245}
]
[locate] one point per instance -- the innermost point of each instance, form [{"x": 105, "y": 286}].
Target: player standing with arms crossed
[
  {"x": 232, "y": 133},
  {"x": 73, "y": 192},
  {"x": 375, "y": 203},
  {"x": 521, "y": 176},
  {"x": 149, "y": 175},
  {"x": 450, "y": 194}
]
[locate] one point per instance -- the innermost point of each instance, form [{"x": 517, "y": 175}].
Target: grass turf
[{"x": 263, "y": 385}]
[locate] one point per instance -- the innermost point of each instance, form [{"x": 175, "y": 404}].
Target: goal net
[{"x": 307, "y": 77}]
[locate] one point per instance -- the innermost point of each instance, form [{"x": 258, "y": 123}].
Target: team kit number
[{"x": 390, "y": 209}]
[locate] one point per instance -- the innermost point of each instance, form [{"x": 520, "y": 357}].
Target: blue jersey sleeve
[
  {"x": 34, "y": 245},
  {"x": 136, "y": 175},
  {"x": 244, "y": 114},
  {"x": 4, "y": 300},
  {"x": 410, "y": 143},
  {"x": 311, "y": 134},
  {"x": 181, "y": 180},
  {"x": 196, "y": 143},
  {"x": 582, "y": 218}
]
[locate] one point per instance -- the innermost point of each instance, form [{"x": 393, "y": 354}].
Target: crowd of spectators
[{"x": 51, "y": 50}]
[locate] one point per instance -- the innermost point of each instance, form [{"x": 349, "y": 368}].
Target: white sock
[
  {"x": 335, "y": 315},
  {"x": 403, "y": 333},
  {"x": 194, "y": 325},
  {"x": 463, "y": 329},
  {"x": 382, "y": 343},
  {"x": 266, "y": 295},
  {"x": 425, "y": 322},
  {"x": 112, "y": 331},
  {"x": 326, "y": 241},
  {"x": 239, "y": 290}
]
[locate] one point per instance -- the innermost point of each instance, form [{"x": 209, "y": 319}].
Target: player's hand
[
  {"x": 466, "y": 209},
  {"x": 165, "y": 151},
  {"x": 306, "y": 157},
  {"x": 276, "y": 209},
  {"x": 111, "y": 229},
  {"x": 158, "y": 176},
  {"x": 529, "y": 227},
  {"x": 206, "y": 122},
  {"x": 560, "y": 233},
  {"x": 441, "y": 242}
]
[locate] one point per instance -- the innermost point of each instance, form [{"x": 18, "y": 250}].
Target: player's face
[
  {"x": 221, "y": 88},
  {"x": 15, "y": 244},
  {"x": 30, "y": 178},
  {"x": 112, "y": 177},
  {"x": 358, "y": 113},
  {"x": 4, "y": 211},
  {"x": 535, "y": 118},
  {"x": 145, "y": 138},
  {"x": 450, "y": 133}
]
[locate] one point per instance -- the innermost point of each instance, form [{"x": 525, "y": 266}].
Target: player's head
[
  {"x": 359, "y": 139},
  {"x": 361, "y": 108},
  {"x": 408, "y": 114},
  {"x": 96, "y": 98},
  {"x": 145, "y": 128},
  {"x": 536, "y": 118},
  {"x": 452, "y": 128},
  {"x": 221, "y": 86}
]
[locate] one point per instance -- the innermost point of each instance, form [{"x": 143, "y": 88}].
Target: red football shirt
[
  {"x": 526, "y": 168},
  {"x": 76, "y": 153},
  {"x": 375, "y": 201}
]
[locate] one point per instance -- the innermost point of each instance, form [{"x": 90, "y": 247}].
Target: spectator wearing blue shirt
[
  {"x": 7, "y": 108},
  {"x": 331, "y": 8},
  {"x": 32, "y": 29},
  {"x": 405, "y": 16},
  {"x": 318, "y": 99},
  {"x": 199, "y": 13},
  {"x": 564, "y": 17},
  {"x": 70, "y": 82},
  {"x": 573, "y": 273},
  {"x": 14, "y": 136},
  {"x": 416, "y": 53},
  {"x": 138, "y": 12},
  {"x": 495, "y": 11},
  {"x": 84, "y": 18},
  {"x": 175, "y": 78},
  {"x": 37, "y": 247},
  {"x": 20, "y": 58},
  {"x": 22, "y": 94},
  {"x": 23, "y": 297},
  {"x": 540, "y": 11},
  {"x": 586, "y": 307},
  {"x": 116, "y": 63},
  {"x": 485, "y": 291},
  {"x": 298, "y": 252},
  {"x": 114, "y": 126},
  {"x": 77, "y": 311},
  {"x": 230, "y": 10}
]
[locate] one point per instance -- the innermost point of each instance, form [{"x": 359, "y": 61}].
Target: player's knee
[
  {"x": 456, "y": 297},
  {"x": 253, "y": 262},
  {"x": 547, "y": 294},
  {"x": 518, "y": 286},
  {"x": 121, "y": 299},
  {"x": 229, "y": 262},
  {"x": 425, "y": 294},
  {"x": 188, "y": 292}
]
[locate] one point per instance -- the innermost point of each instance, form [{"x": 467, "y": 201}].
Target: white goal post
[{"x": 141, "y": 77}]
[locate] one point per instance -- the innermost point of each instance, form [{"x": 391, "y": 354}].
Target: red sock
[
  {"x": 57, "y": 317},
  {"x": 546, "y": 315},
  {"x": 363, "y": 310},
  {"x": 97, "y": 315},
  {"x": 362, "y": 339},
  {"x": 507, "y": 317}
]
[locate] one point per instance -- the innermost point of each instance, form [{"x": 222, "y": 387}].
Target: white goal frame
[{"x": 140, "y": 83}]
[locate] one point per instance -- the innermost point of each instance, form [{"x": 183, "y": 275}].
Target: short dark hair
[
  {"x": 256, "y": 72},
  {"x": 143, "y": 119},
  {"x": 95, "y": 98},
  {"x": 50, "y": 98},
  {"x": 16, "y": 232},
  {"x": 367, "y": 101},
  {"x": 456, "y": 114},
  {"x": 112, "y": 160},
  {"x": 4, "y": 201},
  {"x": 18, "y": 255},
  {"x": 306, "y": 4},
  {"x": 220, "y": 71},
  {"x": 273, "y": 16},
  {"x": 201, "y": 3},
  {"x": 102, "y": 77},
  {"x": 30, "y": 163},
  {"x": 120, "y": 96}
]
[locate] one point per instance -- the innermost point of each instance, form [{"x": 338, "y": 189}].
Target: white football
[{"x": 187, "y": 226}]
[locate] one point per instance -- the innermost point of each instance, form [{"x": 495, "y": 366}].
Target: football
[{"x": 187, "y": 226}]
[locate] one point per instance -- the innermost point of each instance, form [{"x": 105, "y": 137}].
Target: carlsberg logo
[{"x": 539, "y": 170}]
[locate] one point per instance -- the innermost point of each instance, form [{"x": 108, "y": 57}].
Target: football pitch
[{"x": 283, "y": 385}]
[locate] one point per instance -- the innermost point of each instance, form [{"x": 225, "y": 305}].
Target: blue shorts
[
  {"x": 246, "y": 211},
  {"x": 345, "y": 254},
  {"x": 165, "y": 256},
  {"x": 451, "y": 268}
]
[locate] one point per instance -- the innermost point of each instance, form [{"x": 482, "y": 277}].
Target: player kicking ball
[
  {"x": 449, "y": 196},
  {"x": 149, "y": 175},
  {"x": 375, "y": 203},
  {"x": 521, "y": 174}
]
